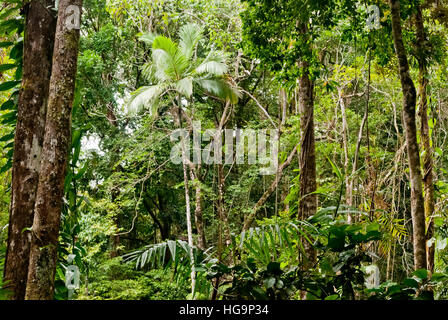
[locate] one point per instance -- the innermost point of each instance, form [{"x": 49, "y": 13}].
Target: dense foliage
[{"x": 147, "y": 68}]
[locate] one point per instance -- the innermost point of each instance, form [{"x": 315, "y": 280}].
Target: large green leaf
[
  {"x": 189, "y": 34},
  {"x": 214, "y": 64},
  {"x": 8, "y": 85},
  {"x": 185, "y": 86},
  {"x": 144, "y": 97},
  {"x": 170, "y": 63},
  {"x": 218, "y": 88}
]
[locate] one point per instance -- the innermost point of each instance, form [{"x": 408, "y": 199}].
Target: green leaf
[
  {"x": 185, "y": 86},
  {"x": 421, "y": 274},
  {"x": 336, "y": 170},
  {"x": 6, "y": 44},
  {"x": 437, "y": 277},
  {"x": 16, "y": 52},
  {"x": 411, "y": 283},
  {"x": 189, "y": 35},
  {"x": 10, "y": 25},
  {"x": 7, "y": 66},
  {"x": 145, "y": 96},
  {"x": 7, "y": 137},
  {"x": 6, "y": 167},
  {"x": 8, "y": 105},
  {"x": 219, "y": 88},
  {"x": 5, "y": 86},
  {"x": 9, "y": 118},
  {"x": 214, "y": 64},
  {"x": 148, "y": 38},
  {"x": 172, "y": 245},
  {"x": 274, "y": 267},
  {"x": 169, "y": 61}
]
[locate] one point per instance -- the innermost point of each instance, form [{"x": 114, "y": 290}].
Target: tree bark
[
  {"x": 308, "y": 200},
  {"x": 40, "y": 28},
  {"x": 409, "y": 102},
  {"x": 47, "y": 210},
  {"x": 224, "y": 228},
  {"x": 348, "y": 190},
  {"x": 198, "y": 218},
  {"x": 307, "y": 157},
  {"x": 428, "y": 176},
  {"x": 177, "y": 115}
]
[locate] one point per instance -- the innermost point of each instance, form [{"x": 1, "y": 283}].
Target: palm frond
[
  {"x": 190, "y": 34},
  {"x": 144, "y": 97},
  {"x": 155, "y": 255},
  {"x": 168, "y": 60},
  {"x": 219, "y": 88},
  {"x": 214, "y": 64},
  {"x": 148, "y": 72},
  {"x": 148, "y": 38},
  {"x": 185, "y": 86},
  {"x": 267, "y": 243}
]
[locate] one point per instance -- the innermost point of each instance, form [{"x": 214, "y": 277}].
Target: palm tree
[{"x": 176, "y": 71}]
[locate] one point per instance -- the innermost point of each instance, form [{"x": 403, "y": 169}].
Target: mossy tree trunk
[
  {"x": 409, "y": 103},
  {"x": 40, "y": 28},
  {"x": 428, "y": 175},
  {"x": 50, "y": 190}
]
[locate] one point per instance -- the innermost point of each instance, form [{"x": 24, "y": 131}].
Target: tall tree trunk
[
  {"x": 283, "y": 99},
  {"x": 428, "y": 176},
  {"x": 348, "y": 190},
  {"x": 32, "y": 105},
  {"x": 307, "y": 157},
  {"x": 356, "y": 158},
  {"x": 115, "y": 239},
  {"x": 47, "y": 211},
  {"x": 224, "y": 228},
  {"x": 308, "y": 200},
  {"x": 409, "y": 102},
  {"x": 198, "y": 218},
  {"x": 177, "y": 115},
  {"x": 188, "y": 213}
]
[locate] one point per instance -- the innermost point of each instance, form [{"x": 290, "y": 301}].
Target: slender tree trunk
[
  {"x": 307, "y": 157},
  {"x": 428, "y": 175},
  {"x": 198, "y": 218},
  {"x": 308, "y": 200},
  {"x": 177, "y": 114},
  {"x": 356, "y": 158},
  {"x": 115, "y": 192},
  {"x": 29, "y": 135},
  {"x": 283, "y": 99},
  {"x": 348, "y": 190},
  {"x": 47, "y": 211},
  {"x": 115, "y": 239},
  {"x": 224, "y": 228},
  {"x": 409, "y": 102},
  {"x": 188, "y": 213}
]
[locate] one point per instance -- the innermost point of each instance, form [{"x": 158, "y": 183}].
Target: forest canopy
[{"x": 223, "y": 150}]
